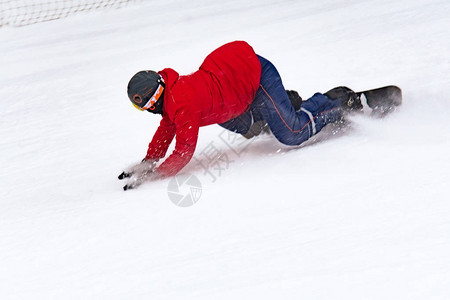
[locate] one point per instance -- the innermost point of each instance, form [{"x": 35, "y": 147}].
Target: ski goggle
[{"x": 153, "y": 99}]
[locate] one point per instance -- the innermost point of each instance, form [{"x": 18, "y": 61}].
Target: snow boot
[{"x": 295, "y": 98}]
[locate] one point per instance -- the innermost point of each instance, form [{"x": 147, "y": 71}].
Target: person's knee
[{"x": 240, "y": 124}]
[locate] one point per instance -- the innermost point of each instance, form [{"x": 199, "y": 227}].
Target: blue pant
[{"x": 272, "y": 105}]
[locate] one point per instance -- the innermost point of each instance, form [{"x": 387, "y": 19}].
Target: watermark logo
[{"x": 184, "y": 190}]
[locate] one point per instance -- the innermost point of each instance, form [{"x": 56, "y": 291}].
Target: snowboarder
[{"x": 235, "y": 88}]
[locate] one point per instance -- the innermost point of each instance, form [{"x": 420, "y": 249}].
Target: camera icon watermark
[{"x": 184, "y": 190}]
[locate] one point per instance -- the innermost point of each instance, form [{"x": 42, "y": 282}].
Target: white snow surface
[{"x": 363, "y": 213}]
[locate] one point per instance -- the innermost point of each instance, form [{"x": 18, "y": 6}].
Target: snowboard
[{"x": 382, "y": 100}]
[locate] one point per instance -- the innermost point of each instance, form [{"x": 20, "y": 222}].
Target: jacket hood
[{"x": 170, "y": 76}]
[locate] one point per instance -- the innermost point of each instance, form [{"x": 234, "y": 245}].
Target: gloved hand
[
  {"x": 139, "y": 173},
  {"x": 144, "y": 166},
  {"x": 138, "y": 179}
]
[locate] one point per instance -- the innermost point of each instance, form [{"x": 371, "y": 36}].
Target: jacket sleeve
[
  {"x": 187, "y": 128},
  {"x": 161, "y": 140}
]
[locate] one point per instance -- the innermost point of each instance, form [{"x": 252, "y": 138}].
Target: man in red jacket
[{"x": 235, "y": 88}]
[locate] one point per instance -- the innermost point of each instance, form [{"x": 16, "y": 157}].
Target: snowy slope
[{"x": 359, "y": 214}]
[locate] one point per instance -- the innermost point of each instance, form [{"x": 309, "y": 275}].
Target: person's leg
[
  {"x": 291, "y": 127},
  {"x": 241, "y": 124},
  {"x": 249, "y": 124}
]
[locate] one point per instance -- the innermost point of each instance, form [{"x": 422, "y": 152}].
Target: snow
[{"x": 362, "y": 213}]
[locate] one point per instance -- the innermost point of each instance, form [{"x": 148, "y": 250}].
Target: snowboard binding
[{"x": 350, "y": 101}]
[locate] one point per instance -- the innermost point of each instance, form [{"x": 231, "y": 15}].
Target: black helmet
[{"x": 145, "y": 89}]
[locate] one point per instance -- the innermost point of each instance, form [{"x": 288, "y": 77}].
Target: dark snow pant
[{"x": 272, "y": 105}]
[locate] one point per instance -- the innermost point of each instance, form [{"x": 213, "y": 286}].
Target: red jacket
[{"x": 223, "y": 88}]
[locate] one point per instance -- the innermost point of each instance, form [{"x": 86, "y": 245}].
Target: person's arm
[
  {"x": 161, "y": 140},
  {"x": 187, "y": 128}
]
